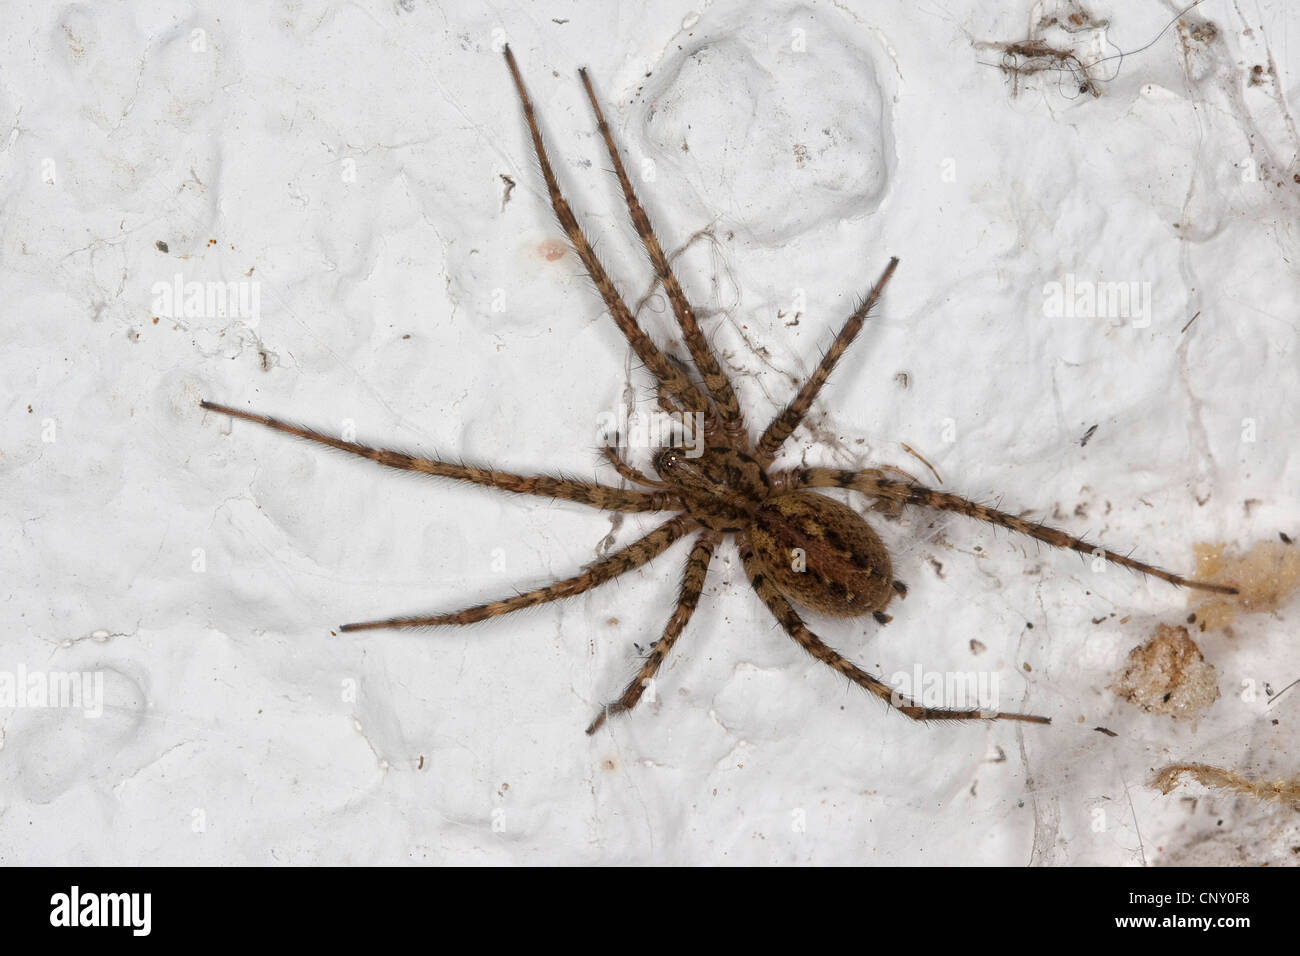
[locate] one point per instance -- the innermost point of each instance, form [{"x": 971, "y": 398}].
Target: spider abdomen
[{"x": 822, "y": 554}]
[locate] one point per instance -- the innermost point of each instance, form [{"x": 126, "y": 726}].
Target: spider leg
[
  {"x": 789, "y": 619},
  {"x": 637, "y": 553},
  {"x": 715, "y": 379},
  {"x": 785, "y": 423},
  {"x": 642, "y": 344},
  {"x": 874, "y": 483},
  {"x": 666, "y": 403},
  {"x": 697, "y": 568},
  {"x": 669, "y": 405},
  {"x": 693, "y": 425},
  {"x": 546, "y": 486},
  {"x": 626, "y": 469}
]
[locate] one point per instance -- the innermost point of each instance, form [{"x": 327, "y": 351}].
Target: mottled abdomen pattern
[{"x": 822, "y": 554}]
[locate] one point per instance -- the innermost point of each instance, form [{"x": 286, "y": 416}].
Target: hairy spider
[{"x": 797, "y": 545}]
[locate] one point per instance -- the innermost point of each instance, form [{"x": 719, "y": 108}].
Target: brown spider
[{"x": 797, "y": 545}]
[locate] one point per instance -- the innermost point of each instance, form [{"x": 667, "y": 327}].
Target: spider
[{"x": 797, "y": 546}]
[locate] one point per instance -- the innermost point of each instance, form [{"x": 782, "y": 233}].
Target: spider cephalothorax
[
  {"x": 797, "y": 545},
  {"x": 722, "y": 487}
]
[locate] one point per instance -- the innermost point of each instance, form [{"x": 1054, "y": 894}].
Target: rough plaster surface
[{"x": 347, "y": 163}]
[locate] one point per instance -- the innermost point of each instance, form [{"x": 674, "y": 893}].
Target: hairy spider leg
[
  {"x": 583, "y": 492},
  {"x": 697, "y": 569},
  {"x": 874, "y": 483},
  {"x": 715, "y": 379},
  {"x": 639, "y": 552},
  {"x": 788, "y": 420},
  {"x": 646, "y": 350},
  {"x": 793, "y": 624}
]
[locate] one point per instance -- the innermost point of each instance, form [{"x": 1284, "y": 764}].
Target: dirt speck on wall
[
  {"x": 1267, "y": 575},
  {"x": 1168, "y": 675}
]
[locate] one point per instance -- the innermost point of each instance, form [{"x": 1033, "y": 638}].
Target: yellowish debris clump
[
  {"x": 1168, "y": 675},
  {"x": 1267, "y": 576}
]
